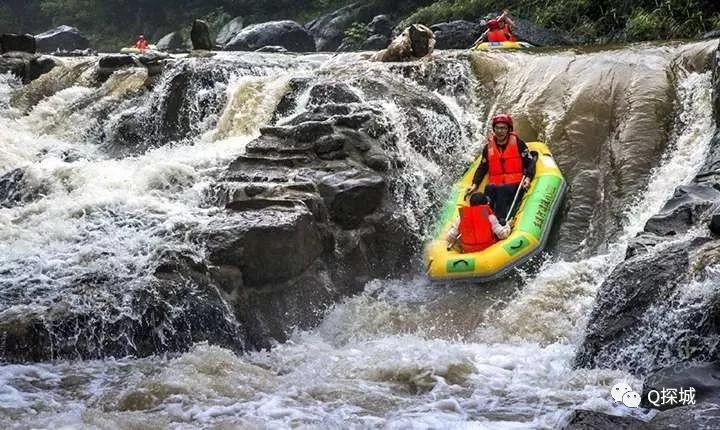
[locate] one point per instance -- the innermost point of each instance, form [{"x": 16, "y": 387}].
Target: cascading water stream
[{"x": 402, "y": 353}]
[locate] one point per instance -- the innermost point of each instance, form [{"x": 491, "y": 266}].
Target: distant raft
[
  {"x": 134, "y": 50},
  {"x": 488, "y": 46},
  {"x": 533, "y": 221}
]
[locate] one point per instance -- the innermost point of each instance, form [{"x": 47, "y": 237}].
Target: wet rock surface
[
  {"x": 308, "y": 214},
  {"x": 656, "y": 315},
  {"x": 319, "y": 187},
  {"x": 652, "y": 278},
  {"x": 177, "y": 308},
  {"x": 26, "y": 66},
  {"x": 590, "y": 420},
  {"x": 109, "y": 64}
]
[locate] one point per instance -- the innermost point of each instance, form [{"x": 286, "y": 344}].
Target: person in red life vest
[
  {"x": 506, "y": 160},
  {"x": 478, "y": 227},
  {"x": 141, "y": 44},
  {"x": 499, "y": 30}
]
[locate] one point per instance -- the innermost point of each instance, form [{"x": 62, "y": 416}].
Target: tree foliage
[
  {"x": 625, "y": 20},
  {"x": 113, "y": 23}
]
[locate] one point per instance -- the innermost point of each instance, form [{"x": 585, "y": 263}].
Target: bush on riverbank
[
  {"x": 110, "y": 24},
  {"x": 617, "y": 20}
]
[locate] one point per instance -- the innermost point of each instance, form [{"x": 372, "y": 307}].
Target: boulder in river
[
  {"x": 456, "y": 34},
  {"x": 200, "y": 35},
  {"x": 17, "y": 42},
  {"x": 175, "y": 42},
  {"x": 62, "y": 38},
  {"x": 329, "y": 30},
  {"x": 288, "y": 34},
  {"x": 415, "y": 42}
]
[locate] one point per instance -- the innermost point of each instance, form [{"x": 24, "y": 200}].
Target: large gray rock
[
  {"x": 683, "y": 210},
  {"x": 268, "y": 245},
  {"x": 229, "y": 31},
  {"x": 174, "y": 42},
  {"x": 62, "y": 38},
  {"x": 109, "y": 64},
  {"x": 456, "y": 34},
  {"x": 329, "y": 30},
  {"x": 288, "y": 34},
  {"x": 351, "y": 195},
  {"x": 171, "y": 311},
  {"x": 642, "y": 300},
  {"x": 17, "y": 42},
  {"x": 200, "y": 35},
  {"x": 374, "y": 43},
  {"x": 381, "y": 25},
  {"x": 539, "y": 36}
]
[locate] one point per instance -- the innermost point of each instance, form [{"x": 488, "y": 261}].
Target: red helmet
[
  {"x": 493, "y": 24},
  {"x": 142, "y": 36},
  {"x": 504, "y": 118}
]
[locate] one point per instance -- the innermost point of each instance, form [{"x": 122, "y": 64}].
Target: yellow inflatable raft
[
  {"x": 488, "y": 46},
  {"x": 533, "y": 221},
  {"x": 134, "y": 50}
]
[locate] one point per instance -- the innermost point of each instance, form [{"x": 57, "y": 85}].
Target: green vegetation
[
  {"x": 621, "y": 20},
  {"x": 355, "y": 35},
  {"x": 110, "y": 24}
]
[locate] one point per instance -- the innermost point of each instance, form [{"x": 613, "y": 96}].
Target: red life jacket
[
  {"x": 504, "y": 167},
  {"x": 141, "y": 44},
  {"x": 475, "y": 229},
  {"x": 501, "y": 35}
]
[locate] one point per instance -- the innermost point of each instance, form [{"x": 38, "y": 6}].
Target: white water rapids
[{"x": 403, "y": 354}]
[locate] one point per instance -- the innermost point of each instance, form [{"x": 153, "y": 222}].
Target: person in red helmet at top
[
  {"x": 506, "y": 160},
  {"x": 142, "y": 43},
  {"x": 499, "y": 30}
]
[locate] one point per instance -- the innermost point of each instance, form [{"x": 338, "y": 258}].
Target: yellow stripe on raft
[
  {"x": 532, "y": 224},
  {"x": 487, "y": 46}
]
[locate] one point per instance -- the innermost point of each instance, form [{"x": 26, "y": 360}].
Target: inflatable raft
[
  {"x": 533, "y": 220},
  {"x": 134, "y": 50},
  {"x": 488, "y": 46}
]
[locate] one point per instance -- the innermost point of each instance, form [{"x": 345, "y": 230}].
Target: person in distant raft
[
  {"x": 142, "y": 43},
  {"x": 478, "y": 227},
  {"x": 507, "y": 160},
  {"x": 499, "y": 30}
]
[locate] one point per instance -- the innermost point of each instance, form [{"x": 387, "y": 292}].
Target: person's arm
[
  {"x": 481, "y": 170},
  {"x": 482, "y": 38},
  {"x": 452, "y": 234},
  {"x": 527, "y": 160},
  {"x": 501, "y": 231}
]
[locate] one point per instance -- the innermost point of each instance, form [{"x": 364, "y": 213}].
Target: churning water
[{"x": 404, "y": 353}]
